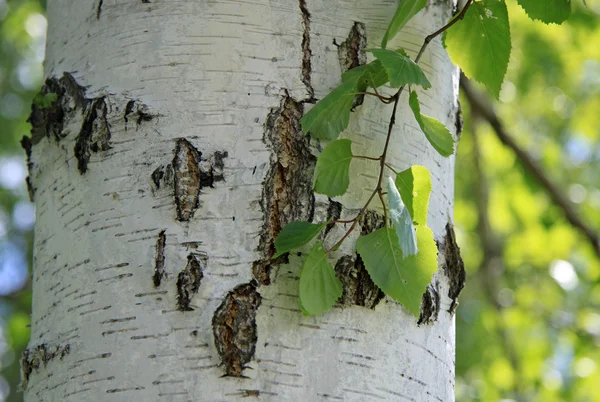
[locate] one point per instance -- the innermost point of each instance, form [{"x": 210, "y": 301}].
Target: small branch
[
  {"x": 484, "y": 108},
  {"x": 382, "y": 159}
]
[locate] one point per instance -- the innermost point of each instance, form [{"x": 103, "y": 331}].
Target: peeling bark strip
[
  {"x": 186, "y": 165},
  {"x": 49, "y": 121},
  {"x": 306, "y": 52},
  {"x": 430, "y": 305},
  {"x": 453, "y": 266},
  {"x": 234, "y": 328},
  {"x": 94, "y": 135},
  {"x": 287, "y": 191},
  {"x": 159, "y": 259},
  {"x": 188, "y": 282},
  {"x": 33, "y": 359}
]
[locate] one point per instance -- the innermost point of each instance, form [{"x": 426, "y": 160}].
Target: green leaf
[
  {"x": 414, "y": 185},
  {"x": 480, "y": 44},
  {"x": 44, "y": 100},
  {"x": 400, "y": 68},
  {"x": 332, "y": 172},
  {"x": 405, "y": 11},
  {"x": 547, "y": 11},
  {"x": 319, "y": 287},
  {"x": 331, "y": 115},
  {"x": 371, "y": 75},
  {"x": 404, "y": 279},
  {"x": 437, "y": 134},
  {"x": 402, "y": 221},
  {"x": 295, "y": 235}
]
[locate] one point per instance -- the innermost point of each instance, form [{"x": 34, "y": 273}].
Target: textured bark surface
[{"x": 162, "y": 175}]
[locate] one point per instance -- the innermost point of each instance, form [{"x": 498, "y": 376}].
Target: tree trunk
[{"x": 169, "y": 162}]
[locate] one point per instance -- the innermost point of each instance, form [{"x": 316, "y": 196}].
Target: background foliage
[{"x": 528, "y": 324}]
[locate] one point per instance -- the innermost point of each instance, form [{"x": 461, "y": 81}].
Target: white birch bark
[{"x": 222, "y": 85}]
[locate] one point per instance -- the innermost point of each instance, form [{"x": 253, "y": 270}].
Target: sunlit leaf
[
  {"x": 547, "y": 11},
  {"x": 414, "y": 185},
  {"x": 480, "y": 43}
]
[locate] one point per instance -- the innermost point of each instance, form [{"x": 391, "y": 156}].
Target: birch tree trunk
[{"x": 163, "y": 172}]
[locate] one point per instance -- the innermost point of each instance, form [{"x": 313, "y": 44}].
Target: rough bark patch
[
  {"x": 234, "y": 328},
  {"x": 287, "y": 190},
  {"x": 306, "y": 52},
  {"x": 186, "y": 166},
  {"x": 32, "y": 359},
  {"x": 430, "y": 305},
  {"x": 190, "y": 174},
  {"x": 157, "y": 176},
  {"x": 49, "y": 121},
  {"x": 454, "y": 268},
  {"x": 159, "y": 259},
  {"x": 357, "y": 287},
  {"x": 94, "y": 135},
  {"x": 188, "y": 281},
  {"x": 353, "y": 53}
]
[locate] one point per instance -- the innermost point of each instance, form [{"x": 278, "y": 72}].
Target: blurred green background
[{"x": 528, "y": 324}]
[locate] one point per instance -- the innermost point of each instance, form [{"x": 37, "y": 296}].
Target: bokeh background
[{"x": 528, "y": 324}]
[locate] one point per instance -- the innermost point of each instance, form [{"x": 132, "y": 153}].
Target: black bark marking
[
  {"x": 27, "y": 146},
  {"x": 234, "y": 328},
  {"x": 157, "y": 176},
  {"x": 357, "y": 287},
  {"x": 306, "y": 52},
  {"x": 353, "y": 53},
  {"x": 287, "y": 191},
  {"x": 188, "y": 281},
  {"x": 139, "y": 111},
  {"x": 146, "y": 1},
  {"x": 454, "y": 268},
  {"x": 99, "y": 9},
  {"x": 430, "y": 305},
  {"x": 334, "y": 211},
  {"x": 186, "y": 166},
  {"x": 32, "y": 359},
  {"x": 159, "y": 259},
  {"x": 94, "y": 135},
  {"x": 49, "y": 121},
  {"x": 211, "y": 170},
  {"x": 458, "y": 122}
]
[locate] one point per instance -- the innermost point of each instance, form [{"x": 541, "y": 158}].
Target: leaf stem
[
  {"x": 366, "y": 157},
  {"x": 384, "y": 99}
]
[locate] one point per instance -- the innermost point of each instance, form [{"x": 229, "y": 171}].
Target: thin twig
[
  {"x": 384, "y": 99},
  {"x": 485, "y": 109}
]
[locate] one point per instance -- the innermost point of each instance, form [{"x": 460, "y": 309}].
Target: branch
[{"x": 481, "y": 105}]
